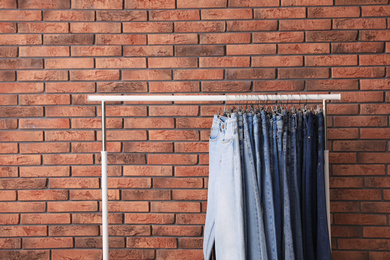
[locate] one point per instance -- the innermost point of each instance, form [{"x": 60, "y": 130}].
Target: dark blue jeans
[{"x": 323, "y": 243}]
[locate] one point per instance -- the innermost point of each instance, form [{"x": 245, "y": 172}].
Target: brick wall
[{"x": 56, "y": 52}]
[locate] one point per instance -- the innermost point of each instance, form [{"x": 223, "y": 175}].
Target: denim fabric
[
  {"x": 307, "y": 189},
  {"x": 296, "y": 220},
  {"x": 258, "y": 145},
  {"x": 280, "y": 162},
  {"x": 250, "y": 129},
  {"x": 269, "y": 213},
  {"x": 323, "y": 244},
  {"x": 226, "y": 188},
  {"x": 255, "y": 237}
]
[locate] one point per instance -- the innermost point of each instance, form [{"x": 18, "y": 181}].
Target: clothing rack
[{"x": 192, "y": 98}]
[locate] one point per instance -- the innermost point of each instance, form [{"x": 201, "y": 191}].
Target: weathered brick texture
[{"x": 53, "y": 53}]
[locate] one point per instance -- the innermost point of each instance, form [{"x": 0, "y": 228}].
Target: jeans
[
  {"x": 280, "y": 162},
  {"x": 323, "y": 244},
  {"x": 257, "y": 134},
  {"x": 224, "y": 220},
  {"x": 269, "y": 213},
  {"x": 255, "y": 237}
]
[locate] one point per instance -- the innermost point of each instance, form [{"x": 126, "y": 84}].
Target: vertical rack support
[
  {"x": 104, "y": 186},
  {"x": 326, "y": 166}
]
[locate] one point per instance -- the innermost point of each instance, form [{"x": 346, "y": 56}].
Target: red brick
[
  {"x": 375, "y": 207},
  {"x": 21, "y": 64},
  {"x": 375, "y": 10},
  {"x": 359, "y": 23},
  {"x": 280, "y": 13},
  {"x": 62, "y": 254},
  {"x": 212, "y": 26},
  {"x": 154, "y": 39},
  {"x": 178, "y": 86},
  {"x": 226, "y": 14},
  {"x": 198, "y": 74},
  {"x": 240, "y": 26},
  {"x": 120, "y": 39},
  {"x": 151, "y": 242},
  {"x": 5, "y": 4},
  {"x": 95, "y": 147},
  {"x": 121, "y": 15},
  {"x": 373, "y": 158},
  {"x": 7, "y": 27},
  {"x": 191, "y": 171},
  {"x": 343, "y": 133},
  {"x": 44, "y": 99},
  {"x": 379, "y": 255},
  {"x": 377, "y": 182},
  {"x": 360, "y": 2},
  {"x": 147, "y": 75},
  {"x": 179, "y": 254},
  {"x": 129, "y": 182},
  {"x": 24, "y": 183},
  {"x": 224, "y": 38},
  {"x": 45, "y": 218},
  {"x": 252, "y": 49},
  {"x": 9, "y": 243},
  {"x": 381, "y": 232},
  {"x": 304, "y": 25},
  {"x": 277, "y": 61},
  {"x": 146, "y": 195},
  {"x": 96, "y": 51},
  {"x": 224, "y": 62},
  {"x": 67, "y": 159},
  {"x": 74, "y": 230},
  {"x": 43, "y": 123},
  {"x": 120, "y": 135},
  {"x": 25, "y": 254},
  {"x": 376, "y": 133},
  {"x": 132, "y": 253},
  {"x": 375, "y": 109},
  {"x": 8, "y": 123},
  {"x": 172, "y": 62},
  {"x": 9, "y": 51},
  {"x": 95, "y": 27},
  {"x": 7, "y": 76},
  {"x": 191, "y": 243},
  {"x": 348, "y": 109},
  {"x": 95, "y": 171},
  {"x": 377, "y": 59},
  {"x": 101, "y": 4},
  {"x": 22, "y": 207},
  {"x": 172, "y": 159},
  {"x": 360, "y": 169},
  {"x": 20, "y": 15},
  {"x": 191, "y": 147},
  {"x": 177, "y": 183},
  {"x": 68, "y": 39},
  {"x": 39, "y": 51},
  {"x": 374, "y": 35},
  {"x": 92, "y": 195},
  {"x": 335, "y": 84},
  {"x": 123, "y": 158},
  {"x": 358, "y": 72},
  {"x": 305, "y": 2},
  {"x": 47, "y": 75},
  {"x": 8, "y": 172},
  {"x": 69, "y": 135},
  {"x": 191, "y": 219},
  {"x": 50, "y": 242},
  {"x": 250, "y": 73},
  {"x": 8, "y": 100},
  {"x": 357, "y": 47},
  {"x": 189, "y": 195},
  {"x": 374, "y": 84},
  {"x": 280, "y": 37},
  {"x": 21, "y": 39},
  {"x": 8, "y": 195},
  {"x": 46, "y": 171},
  {"x": 121, "y": 87},
  {"x": 72, "y": 111},
  {"x": 68, "y": 15},
  {"x": 341, "y": 206},
  {"x": 94, "y": 75},
  {"x": 346, "y": 182},
  {"x": 9, "y": 219},
  {"x": 330, "y": 36},
  {"x": 21, "y": 136},
  {"x": 147, "y": 51},
  {"x": 294, "y": 73},
  {"x": 73, "y": 206},
  {"x": 345, "y": 231},
  {"x": 44, "y": 147},
  {"x": 175, "y": 207},
  {"x": 23, "y": 231},
  {"x": 43, "y": 195},
  {"x": 66, "y": 87},
  {"x": 44, "y": 4},
  {"x": 173, "y": 135},
  {"x": 148, "y": 147},
  {"x": 333, "y": 12},
  {"x": 96, "y": 218},
  {"x": 334, "y": 60},
  {"x": 65, "y": 63},
  {"x": 120, "y": 63},
  {"x": 149, "y": 218},
  {"x": 147, "y": 170},
  {"x": 140, "y": 4},
  {"x": 129, "y": 230},
  {"x": 201, "y": 4},
  {"x": 190, "y": 231},
  {"x": 222, "y": 86},
  {"x": 362, "y": 97},
  {"x": 47, "y": 27},
  {"x": 173, "y": 15},
  {"x": 355, "y": 194},
  {"x": 280, "y": 85},
  {"x": 148, "y": 123}
]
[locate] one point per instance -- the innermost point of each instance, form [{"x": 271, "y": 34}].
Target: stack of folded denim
[{"x": 266, "y": 195}]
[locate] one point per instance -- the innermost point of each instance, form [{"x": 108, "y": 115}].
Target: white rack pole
[{"x": 104, "y": 99}]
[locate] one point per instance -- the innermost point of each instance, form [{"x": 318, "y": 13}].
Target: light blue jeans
[{"x": 224, "y": 221}]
